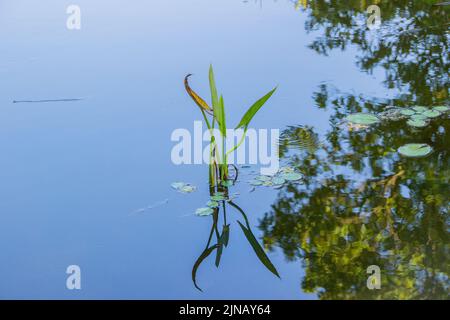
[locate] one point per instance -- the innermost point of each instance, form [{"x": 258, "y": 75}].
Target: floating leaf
[
  {"x": 420, "y": 109},
  {"x": 291, "y": 176},
  {"x": 177, "y": 185},
  {"x": 183, "y": 187},
  {"x": 256, "y": 183},
  {"x": 415, "y": 150},
  {"x": 218, "y": 197},
  {"x": 278, "y": 180},
  {"x": 267, "y": 183},
  {"x": 286, "y": 169},
  {"x": 263, "y": 178},
  {"x": 212, "y": 204},
  {"x": 418, "y": 123},
  {"x": 259, "y": 250},
  {"x": 204, "y": 211},
  {"x": 187, "y": 189},
  {"x": 432, "y": 113},
  {"x": 419, "y": 116},
  {"x": 227, "y": 183},
  {"x": 363, "y": 118},
  {"x": 407, "y": 112},
  {"x": 441, "y": 108}
]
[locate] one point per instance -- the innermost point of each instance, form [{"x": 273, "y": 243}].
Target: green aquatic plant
[
  {"x": 283, "y": 176},
  {"x": 291, "y": 176},
  {"x": 419, "y": 109},
  {"x": 219, "y": 158},
  {"x": 414, "y": 150},
  {"x": 219, "y": 201},
  {"x": 420, "y": 116},
  {"x": 204, "y": 211},
  {"x": 212, "y": 204},
  {"x": 441, "y": 108},
  {"x": 363, "y": 118},
  {"x": 407, "y": 112},
  {"x": 418, "y": 123},
  {"x": 183, "y": 187},
  {"x": 432, "y": 113}
]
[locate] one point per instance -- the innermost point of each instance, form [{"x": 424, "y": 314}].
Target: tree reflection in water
[{"x": 361, "y": 203}]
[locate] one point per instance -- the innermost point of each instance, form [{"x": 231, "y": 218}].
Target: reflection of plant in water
[
  {"x": 361, "y": 204},
  {"x": 219, "y": 200},
  {"x": 219, "y": 176}
]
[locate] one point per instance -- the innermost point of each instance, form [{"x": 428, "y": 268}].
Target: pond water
[{"x": 88, "y": 182}]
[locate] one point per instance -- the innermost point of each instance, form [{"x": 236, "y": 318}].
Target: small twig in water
[{"x": 49, "y": 100}]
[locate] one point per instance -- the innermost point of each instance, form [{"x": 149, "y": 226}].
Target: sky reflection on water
[{"x": 74, "y": 173}]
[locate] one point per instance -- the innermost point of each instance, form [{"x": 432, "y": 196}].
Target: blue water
[{"x": 73, "y": 174}]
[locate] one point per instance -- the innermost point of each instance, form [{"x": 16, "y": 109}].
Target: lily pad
[
  {"x": 419, "y": 116},
  {"x": 177, "y": 185},
  {"x": 227, "y": 183},
  {"x": 278, "y": 180},
  {"x": 420, "y": 109},
  {"x": 441, "y": 108},
  {"x": 183, "y": 187},
  {"x": 204, "y": 211},
  {"x": 418, "y": 123},
  {"x": 407, "y": 112},
  {"x": 187, "y": 189},
  {"x": 256, "y": 183},
  {"x": 363, "y": 118},
  {"x": 267, "y": 183},
  {"x": 414, "y": 150},
  {"x": 286, "y": 169},
  {"x": 212, "y": 204},
  {"x": 263, "y": 178},
  {"x": 218, "y": 197},
  {"x": 291, "y": 176},
  {"x": 432, "y": 113}
]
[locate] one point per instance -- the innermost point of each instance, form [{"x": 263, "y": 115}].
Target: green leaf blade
[
  {"x": 248, "y": 116},
  {"x": 199, "y": 261},
  {"x": 222, "y": 121},
  {"x": 259, "y": 250},
  {"x": 217, "y": 104},
  {"x": 213, "y": 88}
]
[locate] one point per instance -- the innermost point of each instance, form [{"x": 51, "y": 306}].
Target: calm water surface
[{"x": 73, "y": 175}]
